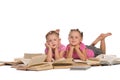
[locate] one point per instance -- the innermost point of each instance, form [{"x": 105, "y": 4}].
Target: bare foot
[
  {"x": 102, "y": 36},
  {"x": 97, "y": 39},
  {"x": 106, "y": 35}
]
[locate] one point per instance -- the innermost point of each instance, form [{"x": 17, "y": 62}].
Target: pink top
[
  {"x": 61, "y": 48},
  {"x": 89, "y": 52}
]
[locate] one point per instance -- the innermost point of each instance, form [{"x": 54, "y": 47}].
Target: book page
[
  {"x": 25, "y": 61},
  {"x": 37, "y": 60},
  {"x": 63, "y": 61},
  {"x": 30, "y": 55}
]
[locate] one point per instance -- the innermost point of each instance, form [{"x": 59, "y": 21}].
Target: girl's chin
[
  {"x": 73, "y": 44},
  {"x": 53, "y": 47}
]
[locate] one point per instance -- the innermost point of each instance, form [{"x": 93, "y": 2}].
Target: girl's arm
[
  {"x": 57, "y": 55},
  {"x": 81, "y": 54},
  {"x": 62, "y": 53},
  {"x": 70, "y": 52},
  {"x": 49, "y": 53}
]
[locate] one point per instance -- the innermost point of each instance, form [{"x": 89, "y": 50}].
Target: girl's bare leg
[
  {"x": 102, "y": 43},
  {"x": 99, "y": 38},
  {"x": 103, "y": 46}
]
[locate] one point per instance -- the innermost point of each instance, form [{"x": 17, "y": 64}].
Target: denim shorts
[{"x": 97, "y": 51}]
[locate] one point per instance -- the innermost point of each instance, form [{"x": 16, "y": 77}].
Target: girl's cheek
[{"x": 49, "y": 44}]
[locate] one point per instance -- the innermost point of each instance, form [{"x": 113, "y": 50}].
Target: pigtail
[
  {"x": 53, "y": 32},
  {"x": 81, "y": 34},
  {"x": 57, "y": 31}
]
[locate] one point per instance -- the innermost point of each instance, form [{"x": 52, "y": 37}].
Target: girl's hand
[
  {"x": 71, "y": 47},
  {"x": 77, "y": 46},
  {"x": 47, "y": 45}
]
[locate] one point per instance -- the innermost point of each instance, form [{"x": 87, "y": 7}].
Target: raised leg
[
  {"x": 97, "y": 40},
  {"x": 103, "y": 46},
  {"x": 101, "y": 38}
]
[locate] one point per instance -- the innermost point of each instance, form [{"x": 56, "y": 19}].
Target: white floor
[
  {"x": 95, "y": 73},
  {"x": 24, "y": 24}
]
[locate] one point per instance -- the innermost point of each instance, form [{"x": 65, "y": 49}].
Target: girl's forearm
[
  {"x": 49, "y": 55},
  {"x": 57, "y": 55},
  {"x": 80, "y": 54},
  {"x": 70, "y": 53}
]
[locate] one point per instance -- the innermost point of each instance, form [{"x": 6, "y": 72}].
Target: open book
[
  {"x": 34, "y": 60},
  {"x": 1, "y": 63},
  {"x": 30, "y": 55},
  {"x": 108, "y": 59},
  {"x": 62, "y": 63},
  {"x": 91, "y": 62},
  {"x": 43, "y": 66},
  {"x": 81, "y": 65},
  {"x": 101, "y": 60},
  {"x": 9, "y": 62},
  {"x": 38, "y": 67}
]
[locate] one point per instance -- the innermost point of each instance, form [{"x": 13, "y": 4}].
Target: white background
[{"x": 24, "y": 24}]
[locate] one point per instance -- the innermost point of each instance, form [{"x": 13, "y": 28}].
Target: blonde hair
[{"x": 52, "y": 32}]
